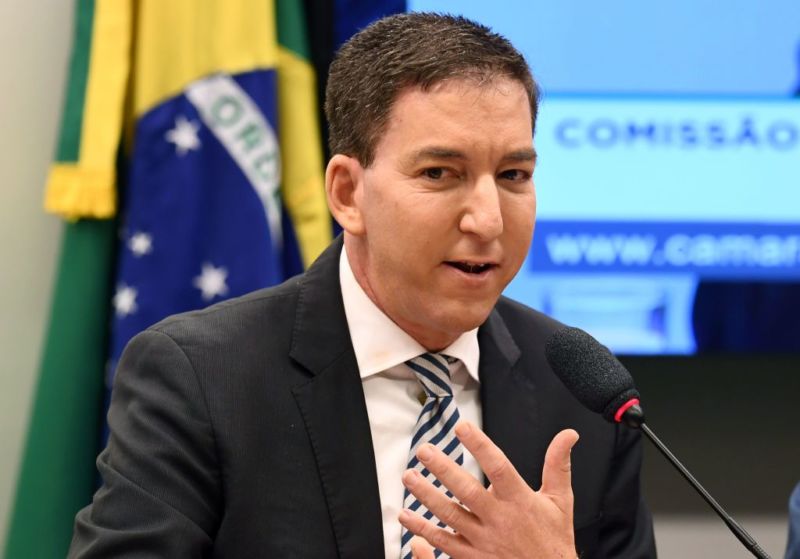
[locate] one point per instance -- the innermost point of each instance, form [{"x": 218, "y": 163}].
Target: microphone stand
[{"x": 634, "y": 417}]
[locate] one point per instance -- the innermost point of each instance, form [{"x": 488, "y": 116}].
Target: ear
[{"x": 343, "y": 178}]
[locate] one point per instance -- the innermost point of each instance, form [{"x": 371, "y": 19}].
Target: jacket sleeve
[
  {"x": 626, "y": 528},
  {"x": 160, "y": 491}
]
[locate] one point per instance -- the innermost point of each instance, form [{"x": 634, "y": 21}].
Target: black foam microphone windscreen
[
  {"x": 602, "y": 384},
  {"x": 589, "y": 370}
]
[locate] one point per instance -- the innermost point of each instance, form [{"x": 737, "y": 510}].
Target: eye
[
  {"x": 434, "y": 173},
  {"x": 516, "y": 175}
]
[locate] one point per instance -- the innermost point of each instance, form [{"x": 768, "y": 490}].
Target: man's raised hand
[{"x": 508, "y": 520}]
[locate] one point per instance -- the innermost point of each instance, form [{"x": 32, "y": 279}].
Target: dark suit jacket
[{"x": 241, "y": 431}]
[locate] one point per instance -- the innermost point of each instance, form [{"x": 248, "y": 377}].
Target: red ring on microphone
[{"x": 625, "y": 407}]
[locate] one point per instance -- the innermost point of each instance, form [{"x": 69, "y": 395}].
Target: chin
[{"x": 469, "y": 316}]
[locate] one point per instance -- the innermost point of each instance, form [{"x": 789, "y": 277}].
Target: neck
[{"x": 432, "y": 341}]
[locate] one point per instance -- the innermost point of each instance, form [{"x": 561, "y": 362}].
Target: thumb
[
  {"x": 557, "y": 473},
  {"x": 421, "y": 549}
]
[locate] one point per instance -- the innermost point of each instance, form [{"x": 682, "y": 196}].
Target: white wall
[{"x": 35, "y": 42}]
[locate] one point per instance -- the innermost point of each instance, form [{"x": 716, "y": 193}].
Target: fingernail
[
  {"x": 463, "y": 429},
  {"x": 425, "y": 452},
  {"x": 410, "y": 477},
  {"x": 405, "y": 515}
]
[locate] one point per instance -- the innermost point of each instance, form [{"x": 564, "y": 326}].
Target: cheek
[
  {"x": 520, "y": 214},
  {"x": 519, "y": 224}
]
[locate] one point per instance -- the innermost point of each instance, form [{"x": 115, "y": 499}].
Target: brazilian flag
[{"x": 189, "y": 170}]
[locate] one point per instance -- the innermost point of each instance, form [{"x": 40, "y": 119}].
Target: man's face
[{"x": 448, "y": 207}]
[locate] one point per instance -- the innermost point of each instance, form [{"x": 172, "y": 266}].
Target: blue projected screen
[{"x": 668, "y": 182}]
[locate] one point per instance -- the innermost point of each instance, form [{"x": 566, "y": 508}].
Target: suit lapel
[
  {"x": 334, "y": 411},
  {"x": 508, "y": 400}
]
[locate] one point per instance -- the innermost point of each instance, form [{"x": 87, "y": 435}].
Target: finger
[
  {"x": 421, "y": 549},
  {"x": 456, "y": 479},
  {"x": 435, "y": 500},
  {"x": 452, "y": 544},
  {"x": 504, "y": 478},
  {"x": 557, "y": 472}
]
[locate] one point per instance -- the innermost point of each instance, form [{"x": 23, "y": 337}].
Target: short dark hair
[{"x": 406, "y": 50}]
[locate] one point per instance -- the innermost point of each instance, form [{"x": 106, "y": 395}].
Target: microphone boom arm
[{"x": 634, "y": 417}]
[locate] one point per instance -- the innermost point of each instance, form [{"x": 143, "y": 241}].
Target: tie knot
[{"x": 433, "y": 372}]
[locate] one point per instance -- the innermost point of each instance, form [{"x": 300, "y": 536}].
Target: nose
[{"x": 482, "y": 215}]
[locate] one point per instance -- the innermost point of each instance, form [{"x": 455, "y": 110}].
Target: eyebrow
[
  {"x": 436, "y": 152},
  {"x": 521, "y": 156}
]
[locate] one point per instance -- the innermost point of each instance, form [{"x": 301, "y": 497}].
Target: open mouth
[{"x": 471, "y": 267}]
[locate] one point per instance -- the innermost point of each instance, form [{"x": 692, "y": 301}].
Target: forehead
[
  {"x": 481, "y": 91},
  {"x": 465, "y": 111}
]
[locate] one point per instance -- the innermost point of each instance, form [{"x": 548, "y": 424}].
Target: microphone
[{"x": 601, "y": 383}]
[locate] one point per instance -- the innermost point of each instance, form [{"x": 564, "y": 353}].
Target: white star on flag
[
  {"x": 140, "y": 244},
  {"x": 184, "y": 135},
  {"x": 211, "y": 281},
  {"x": 125, "y": 300}
]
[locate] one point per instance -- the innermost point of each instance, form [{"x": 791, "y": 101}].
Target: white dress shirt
[{"x": 393, "y": 393}]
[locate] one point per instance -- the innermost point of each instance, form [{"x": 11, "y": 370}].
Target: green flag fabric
[{"x": 57, "y": 473}]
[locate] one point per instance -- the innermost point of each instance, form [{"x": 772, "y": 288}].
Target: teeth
[{"x": 471, "y": 268}]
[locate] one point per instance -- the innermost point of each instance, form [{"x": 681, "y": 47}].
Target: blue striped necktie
[{"x": 435, "y": 425}]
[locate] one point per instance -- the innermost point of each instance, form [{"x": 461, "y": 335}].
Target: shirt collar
[{"x": 379, "y": 343}]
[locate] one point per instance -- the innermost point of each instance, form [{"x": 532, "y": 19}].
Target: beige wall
[{"x": 35, "y": 39}]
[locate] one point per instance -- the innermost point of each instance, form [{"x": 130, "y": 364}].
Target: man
[
  {"x": 290, "y": 422},
  {"x": 793, "y": 543}
]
